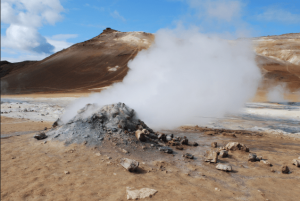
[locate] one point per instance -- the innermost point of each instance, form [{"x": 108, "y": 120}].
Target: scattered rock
[
  {"x": 188, "y": 155},
  {"x": 296, "y": 162},
  {"x": 67, "y": 172},
  {"x": 169, "y": 137},
  {"x": 40, "y": 136},
  {"x": 223, "y": 167},
  {"x": 252, "y": 157},
  {"x": 266, "y": 162},
  {"x": 214, "y": 144},
  {"x": 141, "y": 135},
  {"x": 139, "y": 194},
  {"x": 259, "y": 158},
  {"x": 98, "y": 154},
  {"x": 179, "y": 147},
  {"x": 285, "y": 169},
  {"x": 124, "y": 151},
  {"x": 212, "y": 156},
  {"x": 129, "y": 164},
  {"x": 236, "y": 146},
  {"x": 217, "y": 189},
  {"x": 45, "y": 128},
  {"x": 184, "y": 141},
  {"x": 223, "y": 153},
  {"x": 195, "y": 144},
  {"x": 166, "y": 149},
  {"x": 272, "y": 170}
]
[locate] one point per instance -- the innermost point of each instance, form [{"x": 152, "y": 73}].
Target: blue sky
[{"x": 34, "y": 29}]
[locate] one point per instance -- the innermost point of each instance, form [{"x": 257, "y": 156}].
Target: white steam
[
  {"x": 276, "y": 94},
  {"x": 181, "y": 78}
]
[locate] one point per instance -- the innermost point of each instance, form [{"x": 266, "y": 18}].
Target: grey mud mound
[{"x": 93, "y": 124}]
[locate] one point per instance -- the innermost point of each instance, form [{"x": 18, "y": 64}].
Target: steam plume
[{"x": 184, "y": 75}]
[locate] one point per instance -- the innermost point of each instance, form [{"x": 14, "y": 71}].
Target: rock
[
  {"x": 214, "y": 144},
  {"x": 124, "y": 151},
  {"x": 45, "y": 128},
  {"x": 223, "y": 153},
  {"x": 129, "y": 164},
  {"x": 195, "y": 144},
  {"x": 67, "y": 172},
  {"x": 212, "y": 156},
  {"x": 141, "y": 134},
  {"x": 184, "y": 141},
  {"x": 223, "y": 167},
  {"x": 139, "y": 194},
  {"x": 188, "y": 155},
  {"x": 98, "y": 154},
  {"x": 179, "y": 147},
  {"x": 266, "y": 162},
  {"x": 236, "y": 146},
  {"x": 259, "y": 158},
  {"x": 166, "y": 149},
  {"x": 40, "y": 136},
  {"x": 169, "y": 138},
  {"x": 252, "y": 157},
  {"x": 296, "y": 162},
  {"x": 285, "y": 169}
]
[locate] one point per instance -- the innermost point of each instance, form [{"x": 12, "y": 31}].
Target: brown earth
[
  {"x": 89, "y": 66},
  {"x": 32, "y": 170}
]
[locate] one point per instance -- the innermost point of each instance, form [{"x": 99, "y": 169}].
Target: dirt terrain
[{"x": 32, "y": 170}]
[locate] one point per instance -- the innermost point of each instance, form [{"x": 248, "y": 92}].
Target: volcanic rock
[
  {"x": 40, "y": 136},
  {"x": 139, "y": 194},
  {"x": 223, "y": 153},
  {"x": 223, "y": 167},
  {"x": 129, "y": 164},
  {"x": 296, "y": 162},
  {"x": 188, "y": 155},
  {"x": 166, "y": 149},
  {"x": 285, "y": 169},
  {"x": 211, "y": 157}
]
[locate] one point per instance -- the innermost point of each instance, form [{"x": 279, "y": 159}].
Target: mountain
[{"x": 102, "y": 61}]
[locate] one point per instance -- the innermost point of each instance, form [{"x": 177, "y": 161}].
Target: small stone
[
  {"x": 272, "y": 170},
  {"x": 188, "y": 155},
  {"x": 266, "y": 162},
  {"x": 195, "y": 144},
  {"x": 252, "y": 157},
  {"x": 40, "y": 136},
  {"x": 223, "y": 167},
  {"x": 212, "y": 156},
  {"x": 45, "y": 141},
  {"x": 108, "y": 157},
  {"x": 45, "y": 128},
  {"x": 67, "y": 172},
  {"x": 285, "y": 169},
  {"x": 98, "y": 154},
  {"x": 139, "y": 194},
  {"x": 179, "y": 147},
  {"x": 217, "y": 189},
  {"x": 184, "y": 141},
  {"x": 13, "y": 157},
  {"x": 129, "y": 164},
  {"x": 223, "y": 153},
  {"x": 169, "y": 138},
  {"x": 259, "y": 158},
  {"x": 214, "y": 144},
  {"x": 124, "y": 151},
  {"x": 296, "y": 162},
  {"x": 166, "y": 149}
]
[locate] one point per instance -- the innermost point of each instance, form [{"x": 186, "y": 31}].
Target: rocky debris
[
  {"x": 211, "y": 156},
  {"x": 266, "y": 162},
  {"x": 179, "y": 147},
  {"x": 223, "y": 154},
  {"x": 296, "y": 162},
  {"x": 67, "y": 172},
  {"x": 285, "y": 169},
  {"x": 195, "y": 144},
  {"x": 129, "y": 164},
  {"x": 166, "y": 149},
  {"x": 40, "y": 136},
  {"x": 188, "y": 155},
  {"x": 214, "y": 144},
  {"x": 184, "y": 141},
  {"x": 139, "y": 194},
  {"x": 226, "y": 168},
  {"x": 252, "y": 157},
  {"x": 236, "y": 146}
]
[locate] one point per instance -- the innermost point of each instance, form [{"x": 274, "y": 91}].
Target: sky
[{"x": 35, "y": 29}]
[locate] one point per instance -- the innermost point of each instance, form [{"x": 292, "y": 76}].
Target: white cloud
[
  {"x": 223, "y": 10},
  {"x": 117, "y": 15},
  {"x": 24, "y": 18},
  {"x": 279, "y": 15}
]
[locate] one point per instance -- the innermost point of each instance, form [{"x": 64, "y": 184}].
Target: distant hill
[{"x": 102, "y": 61}]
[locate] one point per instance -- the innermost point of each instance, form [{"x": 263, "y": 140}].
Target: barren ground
[{"x": 32, "y": 170}]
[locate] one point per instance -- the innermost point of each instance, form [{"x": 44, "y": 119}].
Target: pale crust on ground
[{"x": 32, "y": 170}]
